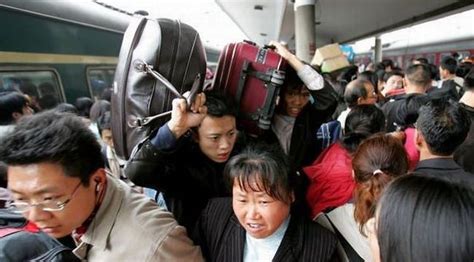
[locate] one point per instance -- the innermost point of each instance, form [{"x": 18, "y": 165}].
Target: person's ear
[
  {"x": 98, "y": 178},
  {"x": 404, "y": 82},
  {"x": 16, "y": 116},
  {"x": 419, "y": 139}
]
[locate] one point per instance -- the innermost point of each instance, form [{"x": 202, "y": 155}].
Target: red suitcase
[{"x": 253, "y": 76}]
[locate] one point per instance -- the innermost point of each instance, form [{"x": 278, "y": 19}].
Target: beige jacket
[{"x": 130, "y": 227}]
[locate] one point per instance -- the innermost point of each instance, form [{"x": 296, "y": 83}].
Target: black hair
[
  {"x": 387, "y": 75},
  {"x": 463, "y": 69},
  {"x": 355, "y": 90},
  {"x": 104, "y": 122},
  {"x": 219, "y": 105},
  {"x": 444, "y": 126},
  {"x": 292, "y": 81},
  {"x": 11, "y": 102},
  {"x": 48, "y": 101},
  {"x": 362, "y": 122},
  {"x": 83, "y": 105},
  {"x": 29, "y": 89},
  {"x": 424, "y": 218},
  {"x": 419, "y": 75},
  {"x": 348, "y": 74},
  {"x": 107, "y": 94},
  {"x": 52, "y": 137},
  {"x": 66, "y": 108},
  {"x": 422, "y": 60},
  {"x": 98, "y": 109},
  {"x": 384, "y": 64},
  {"x": 449, "y": 63},
  {"x": 262, "y": 163},
  {"x": 371, "y": 77}
]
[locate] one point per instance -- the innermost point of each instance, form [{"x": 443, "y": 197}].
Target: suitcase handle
[{"x": 272, "y": 47}]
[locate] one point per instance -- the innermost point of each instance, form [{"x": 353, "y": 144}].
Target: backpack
[
  {"x": 160, "y": 59},
  {"x": 23, "y": 241}
]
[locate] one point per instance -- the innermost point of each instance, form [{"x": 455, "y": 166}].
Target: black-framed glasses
[{"x": 47, "y": 205}]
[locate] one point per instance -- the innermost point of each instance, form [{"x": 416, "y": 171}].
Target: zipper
[{"x": 136, "y": 38}]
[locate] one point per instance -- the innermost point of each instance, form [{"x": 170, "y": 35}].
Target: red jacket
[{"x": 331, "y": 181}]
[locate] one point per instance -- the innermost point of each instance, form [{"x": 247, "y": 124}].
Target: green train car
[{"x": 57, "y": 51}]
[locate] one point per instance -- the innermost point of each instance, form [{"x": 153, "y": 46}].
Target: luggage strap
[
  {"x": 273, "y": 79},
  {"x": 142, "y": 66}
]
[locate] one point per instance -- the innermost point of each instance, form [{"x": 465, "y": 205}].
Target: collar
[
  {"x": 99, "y": 230},
  {"x": 444, "y": 163}
]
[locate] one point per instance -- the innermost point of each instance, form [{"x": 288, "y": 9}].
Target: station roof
[{"x": 342, "y": 21}]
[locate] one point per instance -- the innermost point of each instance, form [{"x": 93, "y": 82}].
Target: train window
[
  {"x": 100, "y": 78},
  {"x": 42, "y": 86}
]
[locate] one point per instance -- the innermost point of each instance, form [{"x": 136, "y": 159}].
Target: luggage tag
[{"x": 189, "y": 96}]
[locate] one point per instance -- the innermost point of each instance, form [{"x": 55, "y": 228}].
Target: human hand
[
  {"x": 281, "y": 50},
  {"x": 182, "y": 119}
]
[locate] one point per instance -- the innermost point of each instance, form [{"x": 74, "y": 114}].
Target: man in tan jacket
[{"x": 57, "y": 178}]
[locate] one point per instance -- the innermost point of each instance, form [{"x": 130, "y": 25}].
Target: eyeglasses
[{"x": 47, "y": 205}]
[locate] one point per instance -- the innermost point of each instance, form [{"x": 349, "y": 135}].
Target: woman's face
[
  {"x": 260, "y": 214},
  {"x": 295, "y": 100}
]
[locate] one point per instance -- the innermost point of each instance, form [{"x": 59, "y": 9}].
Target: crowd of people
[{"x": 395, "y": 181}]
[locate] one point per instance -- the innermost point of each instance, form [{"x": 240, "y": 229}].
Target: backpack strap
[{"x": 350, "y": 252}]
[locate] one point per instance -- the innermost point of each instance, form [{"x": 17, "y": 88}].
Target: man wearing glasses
[{"x": 57, "y": 180}]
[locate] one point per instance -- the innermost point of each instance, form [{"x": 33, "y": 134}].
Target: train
[
  {"x": 57, "y": 51},
  {"x": 433, "y": 52}
]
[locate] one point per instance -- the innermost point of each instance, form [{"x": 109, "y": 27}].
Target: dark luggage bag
[
  {"x": 159, "y": 60},
  {"x": 22, "y": 241},
  {"x": 253, "y": 76}
]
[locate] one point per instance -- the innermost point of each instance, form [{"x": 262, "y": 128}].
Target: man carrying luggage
[
  {"x": 185, "y": 158},
  {"x": 58, "y": 182}
]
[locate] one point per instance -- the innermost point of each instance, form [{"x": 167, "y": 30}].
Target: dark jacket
[
  {"x": 222, "y": 238},
  {"x": 305, "y": 146},
  {"x": 403, "y": 110},
  {"x": 446, "y": 169},
  {"x": 185, "y": 176}
]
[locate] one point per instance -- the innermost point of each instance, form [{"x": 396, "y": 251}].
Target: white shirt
[
  {"x": 343, "y": 116},
  {"x": 264, "y": 249},
  {"x": 312, "y": 79}
]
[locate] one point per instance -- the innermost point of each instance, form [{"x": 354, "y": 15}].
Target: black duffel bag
[
  {"x": 160, "y": 59},
  {"x": 20, "y": 241}
]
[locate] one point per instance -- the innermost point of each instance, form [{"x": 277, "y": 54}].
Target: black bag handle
[{"x": 141, "y": 66}]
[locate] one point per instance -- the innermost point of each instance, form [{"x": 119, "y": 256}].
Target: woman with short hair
[{"x": 257, "y": 223}]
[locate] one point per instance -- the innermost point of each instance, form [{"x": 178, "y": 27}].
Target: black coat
[
  {"x": 222, "y": 238},
  {"x": 185, "y": 176},
  {"x": 304, "y": 145},
  {"x": 446, "y": 169},
  {"x": 403, "y": 110}
]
